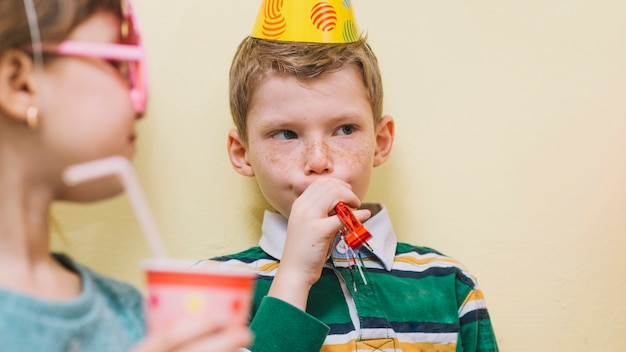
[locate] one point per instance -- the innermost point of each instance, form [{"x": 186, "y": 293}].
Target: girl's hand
[{"x": 201, "y": 334}]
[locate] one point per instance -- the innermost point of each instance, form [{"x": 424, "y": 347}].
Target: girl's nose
[{"x": 318, "y": 159}]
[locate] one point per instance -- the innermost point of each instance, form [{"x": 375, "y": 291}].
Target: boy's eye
[
  {"x": 285, "y": 135},
  {"x": 345, "y": 130}
]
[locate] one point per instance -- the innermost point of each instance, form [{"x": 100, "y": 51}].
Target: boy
[{"x": 307, "y": 105}]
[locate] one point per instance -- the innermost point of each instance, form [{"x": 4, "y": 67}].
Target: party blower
[
  {"x": 176, "y": 290},
  {"x": 355, "y": 234}
]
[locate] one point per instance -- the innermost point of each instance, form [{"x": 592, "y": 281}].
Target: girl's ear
[
  {"x": 384, "y": 140},
  {"x": 17, "y": 84},
  {"x": 238, "y": 154}
]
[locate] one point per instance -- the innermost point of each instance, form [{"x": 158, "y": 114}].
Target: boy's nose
[{"x": 317, "y": 159}]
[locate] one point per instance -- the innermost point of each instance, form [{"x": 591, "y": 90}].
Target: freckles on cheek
[
  {"x": 269, "y": 161},
  {"x": 359, "y": 156},
  {"x": 280, "y": 164}
]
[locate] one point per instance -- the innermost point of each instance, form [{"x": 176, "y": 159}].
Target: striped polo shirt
[{"x": 397, "y": 297}]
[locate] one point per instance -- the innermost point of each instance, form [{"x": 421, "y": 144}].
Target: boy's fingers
[{"x": 362, "y": 214}]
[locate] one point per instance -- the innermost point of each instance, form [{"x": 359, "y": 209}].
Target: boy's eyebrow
[
  {"x": 277, "y": 123},
  {"x": 284, "y": 121},
  {"x": 348, "y": 116}
]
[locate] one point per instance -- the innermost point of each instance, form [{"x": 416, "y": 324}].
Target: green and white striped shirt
[{"x": 407, "y": 299}]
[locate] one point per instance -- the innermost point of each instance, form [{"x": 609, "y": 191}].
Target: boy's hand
[{"x": 310, "y": 232}]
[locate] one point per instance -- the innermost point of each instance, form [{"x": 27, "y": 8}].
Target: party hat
[{"x": 313, "y": 21}]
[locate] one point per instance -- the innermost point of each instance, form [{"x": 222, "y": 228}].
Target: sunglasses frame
[{"x": 132, "y": 53}]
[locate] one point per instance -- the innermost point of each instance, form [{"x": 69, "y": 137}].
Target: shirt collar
[{"x": 383, "y": 241}]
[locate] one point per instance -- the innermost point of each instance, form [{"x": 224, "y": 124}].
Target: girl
[{"x": 71, "y": 89}]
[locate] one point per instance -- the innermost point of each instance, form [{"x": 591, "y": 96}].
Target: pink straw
[{"x": 117, "y": 165}]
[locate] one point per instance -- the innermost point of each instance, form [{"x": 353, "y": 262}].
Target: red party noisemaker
[{"x": 357, "y": 235}]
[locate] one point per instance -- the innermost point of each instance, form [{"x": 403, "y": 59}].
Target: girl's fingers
[
  {"x": 183, "y": 332},
  {"x": 228, "y": 340}
]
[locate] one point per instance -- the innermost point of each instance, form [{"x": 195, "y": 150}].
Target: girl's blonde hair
[{"x": 256, "y": 58}]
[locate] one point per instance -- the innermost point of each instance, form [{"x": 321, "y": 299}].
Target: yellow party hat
[{"x": 313, "y": 21}]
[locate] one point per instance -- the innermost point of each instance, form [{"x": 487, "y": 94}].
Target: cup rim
[{"x": 169, "y": 265}]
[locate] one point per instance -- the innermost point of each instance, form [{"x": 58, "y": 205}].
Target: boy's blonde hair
[
  {"x": 256, "y": 58},
  {"x": 56, "y": 18}
]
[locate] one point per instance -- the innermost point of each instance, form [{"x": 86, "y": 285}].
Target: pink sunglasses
[{"x": 131, "y": 55}]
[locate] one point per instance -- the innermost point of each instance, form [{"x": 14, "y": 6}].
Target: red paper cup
[{"x": 176, "y": 291}]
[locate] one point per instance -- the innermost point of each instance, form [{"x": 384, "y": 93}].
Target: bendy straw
[{"x": 123, "y": 169}]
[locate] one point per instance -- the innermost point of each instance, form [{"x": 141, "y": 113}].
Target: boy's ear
[
  {"x": 17, "y": 84},
  {"x": 238, "y": 154},
  {"x": 384, "y": 140}
]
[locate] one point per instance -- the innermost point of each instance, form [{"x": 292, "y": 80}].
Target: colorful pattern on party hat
[{"x": 312, "y": 21}]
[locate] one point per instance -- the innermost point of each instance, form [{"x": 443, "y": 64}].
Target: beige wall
[{"x": 510, "y": 153}]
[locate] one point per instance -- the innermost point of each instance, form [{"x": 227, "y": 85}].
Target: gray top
[{"x": 107, "y": 316}]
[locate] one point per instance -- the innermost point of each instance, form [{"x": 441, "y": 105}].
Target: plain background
[{"x": 510, "y": 153}]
